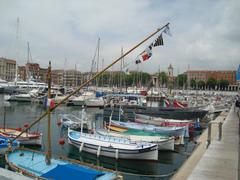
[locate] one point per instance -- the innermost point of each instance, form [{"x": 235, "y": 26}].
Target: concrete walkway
[
  {"x": 10, "y": 175},
  {"x": 220, "y": 160}
]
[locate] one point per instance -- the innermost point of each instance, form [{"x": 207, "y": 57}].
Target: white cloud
[{"x": 205, "y": 33}]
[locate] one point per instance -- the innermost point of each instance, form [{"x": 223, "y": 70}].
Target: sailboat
[{"x": 39, "y": 165}]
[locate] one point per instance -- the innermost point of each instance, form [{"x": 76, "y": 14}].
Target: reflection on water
[{"x": 18, "y": 114}]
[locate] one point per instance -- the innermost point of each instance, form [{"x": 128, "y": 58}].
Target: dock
[
  {"x": 10, "y": 175},
  {"x": 218, "y": 160}
]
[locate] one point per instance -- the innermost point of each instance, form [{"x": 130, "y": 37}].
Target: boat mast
[
  {"x": 17, "y": 51},
  {"x": 49, "y": 151},
  {"x": 89, "y": 80}
]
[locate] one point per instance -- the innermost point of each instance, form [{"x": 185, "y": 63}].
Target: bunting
[
  {"x": 167, "y": 31},
  {"x": 158, "y": 41}
]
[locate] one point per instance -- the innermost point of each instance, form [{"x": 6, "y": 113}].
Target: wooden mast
[
  {"x": 49, "y": 149},
  {"x": 89, "y": 80}
]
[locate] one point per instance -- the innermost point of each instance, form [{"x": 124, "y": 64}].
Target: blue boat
[
  {"x": 32, "y": 163},
  {"x": 4, "y": 144}
]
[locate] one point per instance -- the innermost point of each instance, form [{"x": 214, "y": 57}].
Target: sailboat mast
[
  {"x": 49, "y": 150},
  {"x": 17, "y": 50}
]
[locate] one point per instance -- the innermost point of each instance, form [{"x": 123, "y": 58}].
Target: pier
[
  {"x": 10, "y": 175},
  {"x": 216, "y": 157}
]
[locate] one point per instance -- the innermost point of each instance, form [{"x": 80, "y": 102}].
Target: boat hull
[
  {"x": 151, "y": 154},
  {"x": 113, "y": 147}
]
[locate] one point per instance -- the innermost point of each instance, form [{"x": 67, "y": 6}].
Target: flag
[
  {"x": 50, "y": 103},
  {"x": 137, "y": 61},
  {"x": 158, "y": 41},
  {"x": 167, "y": 31},
  {"x": 145, "y": 55}
]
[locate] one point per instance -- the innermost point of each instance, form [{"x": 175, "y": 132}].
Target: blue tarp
[{"x": 70, "y": 171}]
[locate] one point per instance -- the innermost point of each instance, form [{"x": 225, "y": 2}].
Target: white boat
[
  {"x": 72, "y": 121},
  {"x": 30, "y": 138},
  {"x": 76, "y": 101},
  {"x": 114, "y": 147},
  {"x": 168, "y": 131},
  {"x": 94, "y": 102},
  {"x": 163, "y": 142},
  {"x": 18, "y": 97}
]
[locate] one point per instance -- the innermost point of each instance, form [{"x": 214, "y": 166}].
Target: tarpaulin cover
[{"x": 70, "y": 171}]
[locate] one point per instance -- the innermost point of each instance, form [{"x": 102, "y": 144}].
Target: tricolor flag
[{"x": 48, "y": 102}]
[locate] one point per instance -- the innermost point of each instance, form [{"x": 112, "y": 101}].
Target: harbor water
[{"x": 18, "y": 114}]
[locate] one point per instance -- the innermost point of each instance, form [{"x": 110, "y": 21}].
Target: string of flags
[{"x": 147, "y": 53}]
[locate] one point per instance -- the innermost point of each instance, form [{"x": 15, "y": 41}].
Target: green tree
[
  {"x": 211, "y": 83},
  {"x": 201, "y": 84},
  {"x": 163, "y": 78},
  {"x": 193, "y": 83},
  {"x": 181, "y": 79},
  {"x": 223, "y": 84}
]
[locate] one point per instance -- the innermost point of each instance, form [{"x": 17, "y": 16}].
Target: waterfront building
[
  {"x": 7, "y": 69},
  {"x": 204, "y": 75}
]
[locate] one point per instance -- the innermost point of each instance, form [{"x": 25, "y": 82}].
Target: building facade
[
  {"x": 7, "y": 69},
  {"x": 197, "y": 75}
]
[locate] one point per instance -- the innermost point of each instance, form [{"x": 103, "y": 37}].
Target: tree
[
  {"x": 211, "y": 83},
  {"x": 201, "y": 84},
  {"x": 193, "y": 83},
  {"x": 181, "y": 79},
  {"x": 223, "y": 84},
  {"x": 163, "y": 78}
]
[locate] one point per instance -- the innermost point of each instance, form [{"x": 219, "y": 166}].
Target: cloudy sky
[{"x": 205, "y": 33}]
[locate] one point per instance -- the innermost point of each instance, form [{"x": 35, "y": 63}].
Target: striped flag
[{"x": 158, "y": 41}]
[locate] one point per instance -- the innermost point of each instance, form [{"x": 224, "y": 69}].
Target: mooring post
[
  {"x": 209, "y": 134},
  {"x": 220, "y": 131}
]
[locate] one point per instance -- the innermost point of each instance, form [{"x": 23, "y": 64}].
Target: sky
[{"x": 205, "y": 33}]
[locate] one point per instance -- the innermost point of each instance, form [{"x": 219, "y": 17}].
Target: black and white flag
[{"x": 158, "y": 41}]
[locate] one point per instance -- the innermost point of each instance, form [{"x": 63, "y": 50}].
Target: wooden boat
[
  {"x": 4, "y": 142},
  {"x": 114, "y": 147},
  {"x": 27, "y": 138},
  {"x": 168, "y": 131},
  {"x": 32, "y": 163},
  {"x": 163, "y": 142}
]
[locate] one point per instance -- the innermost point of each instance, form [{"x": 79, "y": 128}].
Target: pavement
[
  {"x": 10, "y": 175},
  {"x": 220, "y": 160}
]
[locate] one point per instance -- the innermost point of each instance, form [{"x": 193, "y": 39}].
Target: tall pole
[
  {"x": 89, "y": 80},
  {"x": 49, "y": 150}
]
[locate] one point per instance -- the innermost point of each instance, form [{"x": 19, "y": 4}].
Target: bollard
[
  {"x": 220, "y": 131},
  {"x": 209, "y": 134}
]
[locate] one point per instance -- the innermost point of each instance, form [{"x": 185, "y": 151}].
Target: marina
[{"x": 119, "y": 90}]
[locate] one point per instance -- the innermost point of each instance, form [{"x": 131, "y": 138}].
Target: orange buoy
[
  {"x": 19, "y": 129},
  {"x": 61, "y": 141}
]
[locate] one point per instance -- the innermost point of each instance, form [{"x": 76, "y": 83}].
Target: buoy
[
  {"x": 61, "y": 141},
  {"x": 59, "y": 122},
  {"x": 26, "y": 125}
]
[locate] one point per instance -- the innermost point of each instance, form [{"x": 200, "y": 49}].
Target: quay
[
  {"x": 218, "y": 160},
  {"x": 10, "y": 175}
]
